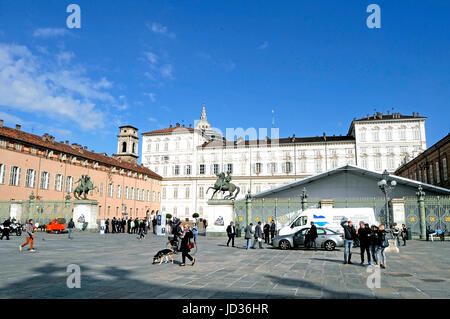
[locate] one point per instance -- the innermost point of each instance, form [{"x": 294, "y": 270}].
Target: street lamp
[{"x": 387, "y": 187}]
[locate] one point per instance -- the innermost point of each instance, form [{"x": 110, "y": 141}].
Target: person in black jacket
[
  {"x": 184, "y": 246},
  {"x": 129, "y": 226},
  {"x": 107, "y": 226},
  {"x": 363, "y": 236},
  {"x": 272, "y": 230},
  {"x": 6, "y": 225},
  {"x": 404, "y": 234},
  {"x": 382, "y": 244},
  {"x": 349, "y": 236},
  {"x": 70, "y": 227},
  {"x": 231, "y": 232},
  {"x": 154, "y": 222},
  {"x": 373, "y": 242},
  {"x": 312, "y": 232},
  {"x": 266, "y": 230}
]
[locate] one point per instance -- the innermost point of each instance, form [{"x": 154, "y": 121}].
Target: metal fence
[
  {"x": 40, "y": 211},
  {"x": 283, "y": 210}
]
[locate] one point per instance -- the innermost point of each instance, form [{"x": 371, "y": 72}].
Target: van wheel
[
  {"x": 284, "y": 245},
  {"x": 329, "y": 245}
]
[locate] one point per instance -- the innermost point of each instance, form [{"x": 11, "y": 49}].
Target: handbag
[
  {"x": 190, "y": 245},
  {"x": 385, "y": 243}
]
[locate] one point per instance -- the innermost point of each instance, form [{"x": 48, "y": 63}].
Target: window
[
  {"x": 389, "y": 135},
  {"x": 175, "y": 193},
  {"x": 216, "y": 169},
  {"x": 186, "y": 212},
  {"x": 376, "y": 150},
  {"x": 258, "y": 188},
  {"x": 363, "y": 136},
  {"x": 404, "y": 149},
  {"x": 420, "y": 175},
  {"x": 334, "y": 163},
  {"x": 175, "y": 211},
  {"x": 119, "y": 191},
  {"x": 188, "y": 170},
  {"x": 154, "y": 196},
  {"x": 391, "y": 163},
  {"x": 403, "y": 134},
  {"x": 438, "y": 176},
  {"x": 187, "y": 192},
  {"x": 363, "y": 150},
  {"x": 364, "y": 163},
  {"x": 132, "y": 193},
  {"x": 176, "y": 170},
  {"x": 416, "y": 134},
  {"x": 430, "y": 169},
  {"x": 166, "y": 146},
  {"x": 200, "y": 192},
  {"x": 110, "y": 190},
  {"x": 375, "y": 136},
  {"x": 318, "y": 166},
  {"x": 425, "y": 176},
  {"x": 229, "y": 168},
  {"x": 14, "y": 176},
  {"x": 109, "y": 210},
  {"x": 45, "y": 180},
  {"x": 58, "y": 182},
  {"x": 149, "y": 147},
  {"x": 2, "y": 173},
  {"x": 30, "y": 179},
  {"x": 303, "y": 166},
  {"x": 444, "y": 169},
  {"x": 377, "y": 164},
  {"x": 164, "y": 193},
  {"x": 301, "y": 221},
  {"x": 69, "y": 185},
  {"x": 258, "y": 168},
  {"x": 159, "y": 197},
  {"x": 202, "y": 169},
  {"x": 287, "y": 167},
  {"x": 272, "y": 168},
  {"x": 157, "y": 147},
  {"x": 138, "y": 194}
]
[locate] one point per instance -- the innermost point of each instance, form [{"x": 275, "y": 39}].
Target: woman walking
[
  {"x": 382, "y": 244},
  {"x": 186, "y": 245}
]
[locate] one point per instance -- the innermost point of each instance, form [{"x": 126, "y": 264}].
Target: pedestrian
[
  {"x": 195, "y": 233},
  {"x": 154, "y": 222},
  {"x": 396, "y": 233},
  {"x": 70, "y": 227},
  {"x": 272, "y": 230},
  {"x": 205, "y": 224},
  {"x": 258, "y": 236},
  {"x": 404, "y": 234},
  {"x": 6, "y": 225},
  {"x": 186, "y": 245},
  {"x": 266, "y": 233},
  {"x": 364, "y": 245},
  {"x": 124, "y": 223},
  {"x": 382, "y": 244},
  {"x": 30, "y": 236},
  {"x": 312, "y": 236},
  {"x": 248, "y": 230},
  {"x": 141, "y": 230},
  {"x": 349, "y": 236},
  {"x": 373, "y": 243},
  {"x": 107, "y": 226},
  {"x": 113, "y": 224},
  {"x": 231, "y": 232}
]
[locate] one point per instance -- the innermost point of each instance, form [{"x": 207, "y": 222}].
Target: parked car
[
  {"x": 326, "y": 238},
  {"x": 57, "y": 226}
]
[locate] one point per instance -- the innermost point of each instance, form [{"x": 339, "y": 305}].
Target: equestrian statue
[
  {"x": 84, "y": 186},
  {"x": 223, "y": 184}
]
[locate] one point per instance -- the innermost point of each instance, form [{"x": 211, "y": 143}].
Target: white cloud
[
  {"x": 64, "y": 57},
  {"x": 160, "y": 29},
  {"x": 152, "y": 119},
  {"x": 29, "y": 85},
  {"x": 264, "y": 45},
  {"x": 152, "y": 96},
  {"x": 49, "y": 32},
  {"x": 166, "y": 71},
  {"x": 157, "y": 69}
]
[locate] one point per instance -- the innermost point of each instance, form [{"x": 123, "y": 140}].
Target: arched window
[
  {"x": 134, "y": 147},
  {"x": 124, "y": 147}
]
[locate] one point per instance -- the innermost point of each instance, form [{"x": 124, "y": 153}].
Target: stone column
[
  {"x": 423, "y": 222},
  {"x": 248, "y": 208}
]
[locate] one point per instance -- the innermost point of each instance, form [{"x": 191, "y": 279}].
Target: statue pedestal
[
  {"x": 392, "y": 247},
  {"x": 85, "y": 211},
  {"x": 219, "y": 214}
]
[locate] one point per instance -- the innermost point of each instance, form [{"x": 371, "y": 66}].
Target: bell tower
[{"x": 127, "y": 144}]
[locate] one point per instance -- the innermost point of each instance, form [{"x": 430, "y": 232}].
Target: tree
[
  {"x": 195, "y": 215},
  {"x": 168, "y": 216}
]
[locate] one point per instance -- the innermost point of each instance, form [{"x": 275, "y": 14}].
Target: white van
[{"x": 329, "y": 218}]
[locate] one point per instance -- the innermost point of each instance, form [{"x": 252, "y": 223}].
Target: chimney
[
  {"x": 18, "y": 127},
  {"x": 1, "y": 123},
  {"x": 417, "y": 114},
  {"x": 67, "y": 143},
  {"x": 368, "y": 116},
  {"x": 170, "y": 125},
  {"x": 388, "y": 112},
  {"x": 190, "y": 125},
  {"x": 178, "y": 124}
]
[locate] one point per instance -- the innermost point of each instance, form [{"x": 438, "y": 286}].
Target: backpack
[{"x": 385, "y": 243}]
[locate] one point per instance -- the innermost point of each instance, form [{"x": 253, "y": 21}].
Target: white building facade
[{"x": 189, "y": 158}]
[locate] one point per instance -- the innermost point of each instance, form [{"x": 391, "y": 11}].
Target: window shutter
[{"x": 18, "y": 175}]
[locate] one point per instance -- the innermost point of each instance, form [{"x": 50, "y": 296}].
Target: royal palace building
[
  {"x": 188, "y": 158},
  {"x": 49, "y": 170}
]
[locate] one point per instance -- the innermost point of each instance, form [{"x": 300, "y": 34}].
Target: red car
[{"x": 57, "y": 225}]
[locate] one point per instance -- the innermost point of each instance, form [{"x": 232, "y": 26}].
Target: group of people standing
[
  {"x": 131, "y": 226},
  {"x": 373, "y": 241},
  {"x": 258, "y": 233}
]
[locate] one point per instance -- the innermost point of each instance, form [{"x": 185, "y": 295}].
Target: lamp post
[{"x": 387, "y": 187}]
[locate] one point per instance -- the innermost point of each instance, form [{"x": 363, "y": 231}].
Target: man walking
[
  {"x": 404, "y": 234},
  {"x": 154, "y": 222},
  {"x": 396, "y": 233},
  {"x": 349, "y": 236},
  {"x": 363, "y": 236},
  {"x": 6, "y": 225},
  {"x": 272, "y": 230},
  {"x": 70, "y": 227},
  {"x": 312, "y": 236},
  {"x": 266, "y": 233},
  {"x": 231, "y": 231},
  {"x": 258, "y": 236},
  {"x": 30, "y": 237},
  {"x": 248, "y": 234},
  {"x": 107, "y": 226}
]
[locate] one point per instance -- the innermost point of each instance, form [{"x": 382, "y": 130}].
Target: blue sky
[{"x": 153, "y": 63}]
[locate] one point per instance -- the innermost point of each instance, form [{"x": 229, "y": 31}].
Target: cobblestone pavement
[{"x": 119, "y": 266}]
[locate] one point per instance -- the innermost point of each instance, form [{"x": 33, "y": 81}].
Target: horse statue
[
  {"x": 84, "y": 186},
  {"x": 223, "y": 184}
]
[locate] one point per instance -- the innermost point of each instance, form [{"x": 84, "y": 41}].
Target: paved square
[{"x": 119, "y": 266}]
